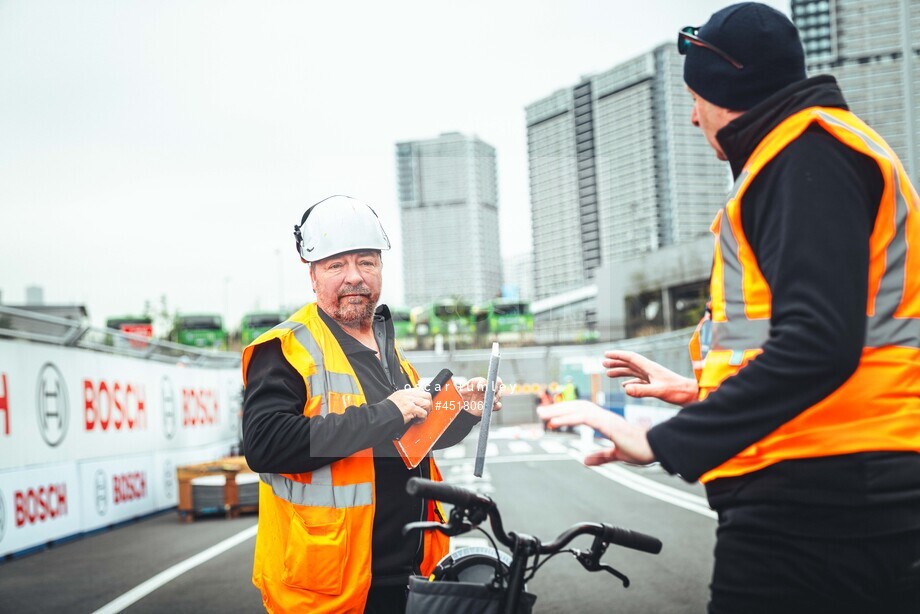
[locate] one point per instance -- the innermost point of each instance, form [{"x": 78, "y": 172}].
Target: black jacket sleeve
[
  {"x": 457, "y": 431},
  {"x": 278, "y": 438},
  {"x": 808, "y": 217}
]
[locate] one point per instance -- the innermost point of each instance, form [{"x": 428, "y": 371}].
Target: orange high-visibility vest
[
  {"x": 878, "y": 407},
  {"x": 313, "y": 548}
]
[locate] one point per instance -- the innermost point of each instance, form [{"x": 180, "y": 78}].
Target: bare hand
[
  {"x": 473, "y": 394},
  {"x": 630, "y": 442},
  {"x": 412, "y": 403},
  {"x": 649, "y": 379}
]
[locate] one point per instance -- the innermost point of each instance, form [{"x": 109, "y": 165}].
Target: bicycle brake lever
[
  {"x": 422, "y": 526},
  {"x": 616, "y": 573},
  {"x": 591, "y": 563},
  {"x": 448, "y": 529}
]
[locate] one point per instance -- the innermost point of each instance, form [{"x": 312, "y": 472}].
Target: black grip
[
  {"x": 438, "y": 382},
  {"x": 439, "y": 491},
  {"x": 631, "y": 539}
]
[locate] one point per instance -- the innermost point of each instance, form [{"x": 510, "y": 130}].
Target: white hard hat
[{"x": 338, "y": 224}]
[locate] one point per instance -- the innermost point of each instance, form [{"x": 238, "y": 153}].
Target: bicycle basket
[{"x": 459, "y": 598}]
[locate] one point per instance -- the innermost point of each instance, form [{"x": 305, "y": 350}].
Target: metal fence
[
  {"x": 544, "y": 363},
  {"x": 42, "y": 328}
]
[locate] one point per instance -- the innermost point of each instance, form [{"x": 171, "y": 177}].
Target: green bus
[
  {"x": 507, "y": 321},
  {"x": 205, "y": 330},
  {"x": 254, "y": 324},
  {"x": 449, "y": 318},
  {"x": 404, "y": 327}
]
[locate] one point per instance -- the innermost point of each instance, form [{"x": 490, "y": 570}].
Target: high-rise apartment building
[
  {"x": 871, "y": 47},
  {"x": 448, "y": 201},
  {"x": 617, "y": 170}
]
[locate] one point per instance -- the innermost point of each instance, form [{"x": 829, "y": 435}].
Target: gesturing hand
[
  {"x": 630, "y": 443},
  {"x": 412, "y": 403},
  {"x": 649, "y": 379},
  {"x": 473, "y": 394}
]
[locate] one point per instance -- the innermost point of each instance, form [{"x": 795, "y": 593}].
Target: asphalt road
[{"x": 540, "y": 486}]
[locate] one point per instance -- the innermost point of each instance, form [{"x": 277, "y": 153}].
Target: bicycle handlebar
[
  {"x": 455, "y": 495},
  {"x": 470, "y": 500},
  {"x": 631, "y": 539}
]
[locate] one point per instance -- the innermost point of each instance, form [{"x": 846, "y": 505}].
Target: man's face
[
  {"x": 710, "y": 119},
  {"x": 348, "y": 286}
]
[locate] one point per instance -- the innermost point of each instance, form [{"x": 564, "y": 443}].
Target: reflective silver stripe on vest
[
  {"x": 323, "y": 381},
  {"x": 732, "y": 274},
  {"x": 883, "y": 328},
  {"x": 738, "y": 183},
  {"x": 738, "y": 333},
  {"x": 319, "y": 494}
]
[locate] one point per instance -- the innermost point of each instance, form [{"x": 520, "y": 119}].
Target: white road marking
[
  {"x": 552, "y": 446},
  {"x": 491, "y": 450},
  {"x": 651, "y": 488},
  {"x": 458, "y": 451},
  {"x": 519, "y": 447},
  {"x": 501, "y": 460},
  {"x": 145, "y": 588}
]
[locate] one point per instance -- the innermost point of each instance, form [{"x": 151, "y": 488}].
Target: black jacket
[{"x": 808, "y": 216}]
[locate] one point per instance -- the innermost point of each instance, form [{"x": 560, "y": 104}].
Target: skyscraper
[
  {"x": 864, "y": 44},
  {"x": 617, "y": 170},
  {"x": 448, "y": 200}
]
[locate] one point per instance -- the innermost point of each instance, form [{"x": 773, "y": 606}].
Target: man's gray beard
[{"x": 358, "y": 319}]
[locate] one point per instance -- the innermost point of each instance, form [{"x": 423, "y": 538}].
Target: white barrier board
[
  {"x": 38, "y": 506},
  {"x": 89, "y": 439},
  {"x": 65, "y": 404}
]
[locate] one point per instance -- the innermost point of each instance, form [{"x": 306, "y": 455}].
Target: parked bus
[
  {"x": 141, "y": 326},
  {"x": 404, "y": 328},
  {"x": 450, "y": 318},
  {"x": 200, "y": 330},
  {"x": 504, "y": 320},
  {"x": 254, "y": 324}
]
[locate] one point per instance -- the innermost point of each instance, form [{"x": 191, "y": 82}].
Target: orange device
[{"x": 420, "y": 437}]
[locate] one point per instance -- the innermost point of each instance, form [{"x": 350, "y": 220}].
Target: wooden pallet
[{"x": 228, "y": 468}]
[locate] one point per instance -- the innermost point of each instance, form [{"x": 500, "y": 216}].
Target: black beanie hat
[{"x": 760, "y": 38}]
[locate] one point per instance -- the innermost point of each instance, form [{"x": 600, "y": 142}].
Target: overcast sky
[{"x": 167, "y": 147}]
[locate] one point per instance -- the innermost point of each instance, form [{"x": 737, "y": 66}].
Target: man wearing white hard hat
[{"x": 326, "y": 393}]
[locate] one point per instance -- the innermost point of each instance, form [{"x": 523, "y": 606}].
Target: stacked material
[
  {"x": 247, "y": 485},
  {"x": 208, "y": 494},
  {"x": 226, "y": 486}
]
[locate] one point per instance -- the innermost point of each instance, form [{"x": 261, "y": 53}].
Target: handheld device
[{"x": 491, "y": 384}]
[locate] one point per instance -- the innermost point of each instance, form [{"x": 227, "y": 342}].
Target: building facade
[
  {"x": 871, "y": 47},
  {"x": 616, "y": 171},
  {"x": 448, "y": 201},
  {"x": 517, "y": 273}
]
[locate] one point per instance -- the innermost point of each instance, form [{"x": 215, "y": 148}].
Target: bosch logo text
[
  {"x": 35, "y": 505},
  {"x": 113, "y": 406},
  {"x": 4, "y": 406},
  {"x": 199, "y": 407},
  {"x": 129, "y": 487}
]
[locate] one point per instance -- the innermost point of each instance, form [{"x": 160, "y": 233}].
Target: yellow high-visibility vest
[
  {"x": 313, "y": 548},
  {"x": 878, "y": 407}
]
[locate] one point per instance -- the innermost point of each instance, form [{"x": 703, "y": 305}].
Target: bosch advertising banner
[
  {"x": 38, "y": 506},
  {"x": 89, "y": 439},
  {"x": 64, "y": 404}
]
